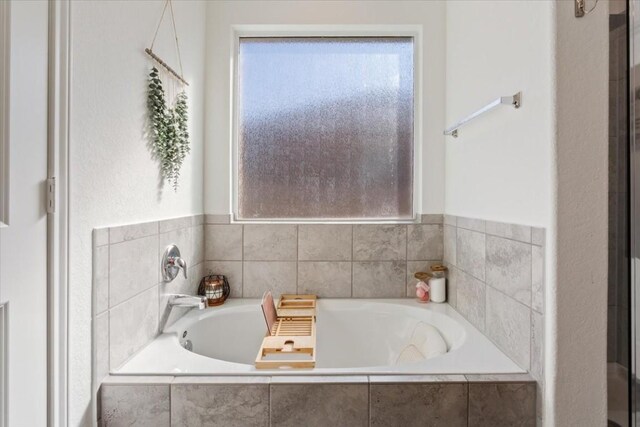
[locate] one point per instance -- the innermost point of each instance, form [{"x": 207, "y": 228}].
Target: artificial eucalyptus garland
[{"x": 170, "y": 137}]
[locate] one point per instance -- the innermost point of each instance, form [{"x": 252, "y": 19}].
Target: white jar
[{"x": 437, "y": 287}]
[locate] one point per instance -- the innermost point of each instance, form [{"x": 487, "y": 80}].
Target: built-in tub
[{"x": 354, "y": 337}]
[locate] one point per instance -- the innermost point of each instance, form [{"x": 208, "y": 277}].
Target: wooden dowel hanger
[{"x": 165, "y": 65}]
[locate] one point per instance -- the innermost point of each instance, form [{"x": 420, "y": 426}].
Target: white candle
[{"x": 438, "y": 289}]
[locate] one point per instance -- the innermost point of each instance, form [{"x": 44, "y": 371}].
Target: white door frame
[
  {"x": 5, "y": 24},
  {"x": 4, "y": 353},
  {"x": 5, "y": 20},
  {"x": 58, "y": 213}
]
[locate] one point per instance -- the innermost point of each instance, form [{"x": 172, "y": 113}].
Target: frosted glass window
[{"x": 325, "y": 128}]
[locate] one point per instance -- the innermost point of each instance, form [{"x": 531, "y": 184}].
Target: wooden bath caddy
[{"x": 291, "y": 333}]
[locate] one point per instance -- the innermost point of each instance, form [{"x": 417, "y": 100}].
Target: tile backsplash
[
  {"x": 340, "y": 261},
  {"x": 496, "y": 280},
  {"x": 128, "y": 287},
  {"x": 331, "y": 260},
  {"x": 496, "y": 273}
]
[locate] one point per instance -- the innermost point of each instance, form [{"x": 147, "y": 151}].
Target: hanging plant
[{"x": 170, "y": 137}]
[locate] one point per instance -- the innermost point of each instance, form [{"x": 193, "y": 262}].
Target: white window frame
[
  {"x": 414, "y": 31},
  {"x": 4, "y": 354}
]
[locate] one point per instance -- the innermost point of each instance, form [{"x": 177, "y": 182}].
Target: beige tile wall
[
  {"x": 130, "y": 296},
  {"x": 399, "y": 400},
  {"x": 331, "y": 260},
  {"x": 496, "y": 276},
  {"x": 496, "y": 280}
]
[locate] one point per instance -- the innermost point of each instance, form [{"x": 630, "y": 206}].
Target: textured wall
[
  {"x": 222, "y": 15},
  {"x": 498, "y": 168},
  {"x": 544, "y": 164},
  {"x": 114, "y": 179},
  {"x": 576, "y": 301}
]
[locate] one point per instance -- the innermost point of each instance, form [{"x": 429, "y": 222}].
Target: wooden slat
[{"x": 293, "y": 336}]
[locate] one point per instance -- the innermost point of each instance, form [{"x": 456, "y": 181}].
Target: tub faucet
[
  {"x": 172, "y": 262},
  {"x": 180, "y": 300}
]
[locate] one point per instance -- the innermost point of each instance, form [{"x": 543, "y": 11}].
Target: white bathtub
[{"x": 354, "y": 336}]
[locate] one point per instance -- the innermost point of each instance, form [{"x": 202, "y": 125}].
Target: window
[{"x": 325, "y": 128}]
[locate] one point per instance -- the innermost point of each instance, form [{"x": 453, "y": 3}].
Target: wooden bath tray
[
  {"x": 297, "y": 306},
  {"x": 291, "y": 338}
]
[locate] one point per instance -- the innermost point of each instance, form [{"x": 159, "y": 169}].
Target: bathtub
[{"x": 354, "y": 336}]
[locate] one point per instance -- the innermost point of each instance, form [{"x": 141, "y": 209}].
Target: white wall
[
  {"x": 498, "y": 168},
  {"x": 577, "y": 326},
  {"x": 501, "y": 168},
  {"x": 544, "y": 164},
  {"x": 113, "y": 178},
  {"x": 221, "y": 15}
]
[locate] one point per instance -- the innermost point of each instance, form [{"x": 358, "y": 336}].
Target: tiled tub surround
[
  {"x": 447, "y": 400},
  {"x": 372, "y": 261},
  {"x": 496, "y": 280},
  {"x": 354, "y": 337},
  {"x": 367, "y": 261},
  {"x": 129, "y": 294},
  {"x": 334, "y": 261}
]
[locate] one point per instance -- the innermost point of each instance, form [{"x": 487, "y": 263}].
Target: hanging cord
[
  {"x": 581, "y": 9},
  {"x": 586, "y": 12},
  {"x": 175, "y": 33},
  {"x": 164, "y": 9}
]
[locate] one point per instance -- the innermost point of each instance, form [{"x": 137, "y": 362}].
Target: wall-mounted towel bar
[{"x": 506, "y": 100}]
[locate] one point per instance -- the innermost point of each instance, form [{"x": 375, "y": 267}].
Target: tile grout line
[
  {"x": 509, "y": 296},
  {"x": 369, "y": 400},
  {"x": 406, "y": 259},
  {"x": 484, "y": 331},
  {"x": 269, "y": 398},
  {"x": 137, "y": 294},
  {"x": 531, "y": 342},
  {"x": 352, "y": 257},
  {"x": 503, "y": 237},
  {"x": 297, "y": 258},
  {"x": 531, "y": 289},
  {"x": 242, "y": 261},
  {"x": 468, "y": 400},
  {"x": 490, "y": 285}
]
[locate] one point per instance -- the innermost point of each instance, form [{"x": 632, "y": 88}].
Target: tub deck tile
[
  {"x": 499, "y": 378},
  {"x": 502, "y": 404},
  {"x": 415, "y": 404},
  {"x": 319, "y": 379},
  {"x": 294, "y": 400},
  {"x": 222, "y": 379},
  {"x": 224, "y": 405},
  {"x": 112, "y": 380},
  {"x": 319, "y": 405},
  {"x": 135, "y": 404},
  {"x": 402, "y": 379}
]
